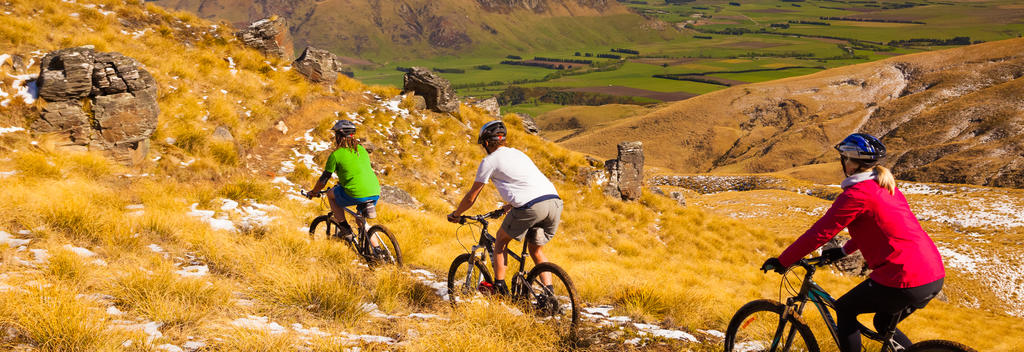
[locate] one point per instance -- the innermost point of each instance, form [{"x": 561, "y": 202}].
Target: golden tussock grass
[
  {"x": 54, "y": 319},
  {"x": 164, "y": 296}
]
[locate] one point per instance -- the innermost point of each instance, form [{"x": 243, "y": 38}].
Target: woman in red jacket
[{"x": 907, "y": 270}]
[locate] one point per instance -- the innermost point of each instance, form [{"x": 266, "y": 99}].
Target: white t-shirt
[{"x": 515, "y": 176}]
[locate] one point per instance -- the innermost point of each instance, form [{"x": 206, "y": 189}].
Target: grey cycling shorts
[{"x": 544, "y": 215}]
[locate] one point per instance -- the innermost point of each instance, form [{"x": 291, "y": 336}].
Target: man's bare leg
[
  {"x": 500, "y": 245},
  {"x": 538, "y": 257}
]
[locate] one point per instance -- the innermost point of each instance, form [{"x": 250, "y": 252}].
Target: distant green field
[{"x": 694, "y": 50}]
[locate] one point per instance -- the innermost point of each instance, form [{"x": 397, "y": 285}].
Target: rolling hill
[
  {"x": 202, "y": 246},
  {"x": 947, "y": 116},
  {"x": 393, "y": 30}
]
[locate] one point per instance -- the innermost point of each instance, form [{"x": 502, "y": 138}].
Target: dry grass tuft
[
  {"x": 166, "y": 297},
  {"x": 53, "y": 319}
]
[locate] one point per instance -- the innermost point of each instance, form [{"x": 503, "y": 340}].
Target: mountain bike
[
  {"x": 768, "y": 325},
  {"x": 324, "y": 226},
  {"x": 470, "y": 276}
]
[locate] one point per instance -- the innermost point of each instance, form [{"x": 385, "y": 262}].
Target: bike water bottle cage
[{"x": 862, "y": 147}]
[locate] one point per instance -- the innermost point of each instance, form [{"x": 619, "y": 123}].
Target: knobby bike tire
[
  {"x": 321, "y": 227},
  {"x": 455, "y": 292},
  {"x": 388, "y": 241},
  {"x": 571, "y": 295},
  {"x": 939, "y": 346},
  {"x": 774, "y": 309}
]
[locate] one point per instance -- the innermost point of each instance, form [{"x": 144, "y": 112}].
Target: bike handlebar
[
  {"x": 317, "y": 194},
  {"x": 482, "y": 218},
  {"x": 809, "y": 263}
]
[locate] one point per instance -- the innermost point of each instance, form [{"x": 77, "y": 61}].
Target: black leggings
[{"x": 887, "y": 303}]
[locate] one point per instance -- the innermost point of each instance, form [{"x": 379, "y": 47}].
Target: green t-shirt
[{"x": 354, "y": 172}]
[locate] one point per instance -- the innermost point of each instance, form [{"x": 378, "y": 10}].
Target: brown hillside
[
  {"x": 947, "y": 116},
  {"x": 389, "y": 29}
]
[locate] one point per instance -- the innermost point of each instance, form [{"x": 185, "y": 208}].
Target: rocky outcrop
[
  {"x": 625, "y": 173},
  {"x": 437, "y": 91},
  {"x": 490, "y": 105},
  {"x": 270, "y": 36},
  {"x": 397, "y": 196},
  {"x": 121, "y": 113},
  {"x": 675, "y": 195},
  {"x": 529, "y": 124},
  {"x": 320, "y": 66}
]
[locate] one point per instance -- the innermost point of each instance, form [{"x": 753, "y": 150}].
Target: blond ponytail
[{"x": 884, "y": 178}]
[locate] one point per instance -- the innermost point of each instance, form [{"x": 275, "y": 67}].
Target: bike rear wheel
[
  {"x": 464, "y": 280},
  {"x": 558, "y": 305},
  {"x": 392, "y": 253},
  {"x": 939, "y": 346},
  {"x": 755, "y": 327}
]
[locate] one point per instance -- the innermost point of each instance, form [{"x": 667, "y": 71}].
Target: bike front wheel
[
  {"x": 758, "y": 326},
  {"x": 557, "y": 304},
  {"x": 939, "y": 346},
  {"x": 466, "y": 281},
  {"x": 322, "y": 227},
  {"x": 390, "y": 253}
]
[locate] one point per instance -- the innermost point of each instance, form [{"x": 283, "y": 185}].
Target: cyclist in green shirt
[{"x": 357, "y": 183}]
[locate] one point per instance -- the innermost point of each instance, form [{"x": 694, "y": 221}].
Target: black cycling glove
[
  {"x": 773, "y": 264},
  {"x": 833, "y": 254}
]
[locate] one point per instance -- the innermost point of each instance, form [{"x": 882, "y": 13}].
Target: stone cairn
[
  {"x": 626, "y": 172},
  {"x": 437, "y": 91},
  {"x": 101, "y": 101},
  {"x": 320, "y": 66},
  {"x": 270, "y": 36}
]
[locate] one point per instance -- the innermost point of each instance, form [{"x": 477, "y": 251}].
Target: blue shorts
[{"x": 342, "y": 199}]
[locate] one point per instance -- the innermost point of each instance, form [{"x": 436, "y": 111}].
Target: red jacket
[{"x": 896, "y": 248}]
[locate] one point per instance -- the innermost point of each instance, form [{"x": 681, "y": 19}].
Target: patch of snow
[
  {"x": 193, "y": 271},
  {"x": 112, "y": 310},
  {"x": 714, "y": 333},
  {"x": 151, "y": 329},
  {"x": 41, "y": 255},
  {"x": 6, "y": 174},
  {"x": 82, "y": 252},
  {"x": 5, "y": 130},
  {"x": 423, "y": 316},
  {"x": 194, "y": 345},
  {"x": 155, "y": 247},
  {"x": 12, "y": 242},
  {"x": 666, "y": 333},
  {"x": 228, "y": 205},
  {"x": 169, "y": 348},
  {"x": 253, "y": 322}
]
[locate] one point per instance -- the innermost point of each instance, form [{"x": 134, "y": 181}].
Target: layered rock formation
[
  {"x": 100, "y": 100},
  {"x": 270, "y": 36},
  {"x": 437, "y": 91},
  {"x": 320, "y": 66},
  {"x": 626, "y": 172}
]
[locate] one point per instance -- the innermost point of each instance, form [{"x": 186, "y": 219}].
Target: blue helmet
[
  {"x": 494, "y": 130},
  {"x": 862, "y": 147}
]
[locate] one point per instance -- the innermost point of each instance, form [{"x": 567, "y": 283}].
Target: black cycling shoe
[{"x": 344, "y": 231}]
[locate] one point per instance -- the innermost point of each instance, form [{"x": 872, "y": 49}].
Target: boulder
[
  {"x": 270, "y": 36},
  {"x": 122, "y": 99},
  {"x": 676, "y": 195},
  {"x": 489, "y": 105},
  {"x": 529, "y": 124},
  {"x": 223, "y": 134},
  {"x": 66, "y": 74},
  {"x": 397, "y": 196},
  {"x": 435, "y": 90},
  {"x": 319, "y": 66}
]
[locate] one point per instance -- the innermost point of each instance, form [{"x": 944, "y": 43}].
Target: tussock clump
[
  {"x": 166, "y": 297},
  {"x": 395, "y": 290},
  {"x": 490, "y": 326},
  {"x": 54, "y": 319},
  {"x": 333, "y": 294}
]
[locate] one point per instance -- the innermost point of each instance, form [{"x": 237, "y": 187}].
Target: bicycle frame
[
  {"x": 486, "y": 243},
  {"x": 810, "y": 291}
]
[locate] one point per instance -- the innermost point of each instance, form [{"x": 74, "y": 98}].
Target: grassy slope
[{"x": 273, "y": 270}]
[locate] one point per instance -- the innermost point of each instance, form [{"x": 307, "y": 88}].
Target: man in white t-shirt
[{"x": 531, "y": 200}]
